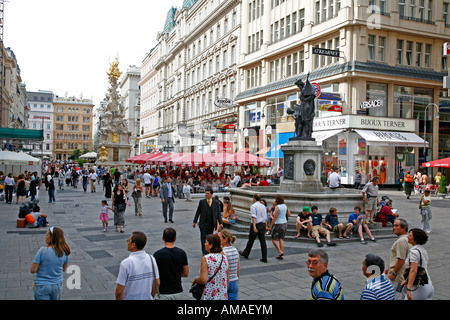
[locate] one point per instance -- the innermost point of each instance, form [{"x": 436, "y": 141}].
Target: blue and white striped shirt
[{"x": 378, "y": 288}]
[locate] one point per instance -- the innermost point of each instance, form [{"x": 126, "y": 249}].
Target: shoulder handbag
[
  {"x": 197, "y": 289},
  {"x": 154, "y": 278},
  {"x": 421, "y": 277}
]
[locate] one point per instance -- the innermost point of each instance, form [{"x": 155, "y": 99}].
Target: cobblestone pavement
[{"x": 98, "y": 254}]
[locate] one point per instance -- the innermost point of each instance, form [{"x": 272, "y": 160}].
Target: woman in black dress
[
  {"x": 119, "y": 206},
  {"x": 108, "y": 185},
  {"x": 21, "y": 189}
]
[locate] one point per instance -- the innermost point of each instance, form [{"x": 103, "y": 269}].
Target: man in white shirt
[
  {"x": 235, "y": 182},
  {"x": 138, "y": 274},
  {"x": 257, "y": 229},
  {"x": 148, "y": 183},
  {"x": 334, "y": 179},
  {"x": 9, "y": 188},
  {"x": 93, "y": 177}
]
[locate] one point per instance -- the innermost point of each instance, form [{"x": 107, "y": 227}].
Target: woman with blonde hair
[
  {"x": 279, "y": 224},
  {"x": 49, "y": 264},
  {"x": 229, "y": 216},
  {"x": 227, "y": 239}
]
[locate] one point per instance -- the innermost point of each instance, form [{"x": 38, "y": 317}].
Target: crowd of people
[{"x": 161, "y": 275}]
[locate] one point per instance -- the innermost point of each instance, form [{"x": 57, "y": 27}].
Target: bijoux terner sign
[{"x": 364, "y": 122}]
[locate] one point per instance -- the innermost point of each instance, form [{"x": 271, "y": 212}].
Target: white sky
[{"x": 67, "y": 45}]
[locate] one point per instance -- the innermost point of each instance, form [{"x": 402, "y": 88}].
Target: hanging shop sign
[
  {"x": 326, "y": 52},
  {"x": 446, "y": 49},
  {"x": 371, "y": 104},
  {"x": 364, "y": 122},
  {"x": 226, "y": 127},
  {"x": 318, "y": 90},
  {"x": 223, "y": 103}
]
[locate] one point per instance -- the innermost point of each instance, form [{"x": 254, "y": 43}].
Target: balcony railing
[{"x": 417, "y": 19}]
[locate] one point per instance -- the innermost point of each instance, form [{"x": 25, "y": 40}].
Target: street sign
[
  {"x": 318, "y": 91},
  {"x": 326, "y": 52}
]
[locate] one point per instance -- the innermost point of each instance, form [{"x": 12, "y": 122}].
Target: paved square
[{"x": 98, "y": 254}]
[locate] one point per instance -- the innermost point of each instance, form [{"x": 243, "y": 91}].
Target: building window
[
  {"x": 371, "y": 44},
  {"x": 377, "y": 91},
  {"x": 412, "y": 8},
  {"x": 402, "y": 8},
  {"x": 381, "y": 49},
  {"x": 445, "y": 13},
  {"x": 419, "y": 47},
  {"x": 317, "y": 12},
  {"x": 409, "y": 52}
]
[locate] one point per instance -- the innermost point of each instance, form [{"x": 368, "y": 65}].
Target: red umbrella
[
  {"x": 442, "y": 163},
  {"x": 143, "y": 158},
  {"x": 155, "y": 158},
  {"x": 193, "y": 159},
  {"x": 247, "y": 159},
  {"x": 133, "y": 158},
  {"x": 167, "y": 158}
]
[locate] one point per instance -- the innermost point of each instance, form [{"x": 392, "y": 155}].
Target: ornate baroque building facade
[
  {"x": 387, "y": 78},
  {"x": 194, "y": 62}
]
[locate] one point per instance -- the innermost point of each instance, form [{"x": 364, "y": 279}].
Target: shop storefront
[{"x": 366, "y": 143}]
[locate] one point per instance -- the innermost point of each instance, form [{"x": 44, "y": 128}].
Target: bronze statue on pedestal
[{"x": 304, "y": 113}]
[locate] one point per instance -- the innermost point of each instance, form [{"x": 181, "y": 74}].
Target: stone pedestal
[
  {"x": 302, "y": 166},
  {"x": 117, "y": 148}
]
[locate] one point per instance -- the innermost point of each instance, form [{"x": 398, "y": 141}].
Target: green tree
[
  {"x": 443, "y": 185},
  {"x": 76, "y": 153}
]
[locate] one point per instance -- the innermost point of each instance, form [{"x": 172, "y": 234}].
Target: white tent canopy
[
  {"x": 17, "y": 162},
  {"x": 18, "y": 158},
  {"x": 89, "y": 155}
]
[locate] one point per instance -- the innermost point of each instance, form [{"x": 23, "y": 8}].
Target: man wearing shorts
[
  {"x": 332, "y": 222},
  {"x": 370, "y": 199},
  {"x": 148, "y": 183},
  {"x": 318, "y": 230}
]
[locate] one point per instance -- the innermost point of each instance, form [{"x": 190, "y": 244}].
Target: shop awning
[
  {"x": 324, "y": 135},
  {"x": 275, "y": 149},
  {"x": 391, "y": 138}
]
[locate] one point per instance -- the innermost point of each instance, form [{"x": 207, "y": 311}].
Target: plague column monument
[{"x": 114, "y": 137}]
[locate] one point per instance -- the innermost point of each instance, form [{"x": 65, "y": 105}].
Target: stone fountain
[{"x": 301, "y": 184}]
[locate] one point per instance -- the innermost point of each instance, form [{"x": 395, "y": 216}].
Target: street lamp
[{"x": 425, "y": 128}]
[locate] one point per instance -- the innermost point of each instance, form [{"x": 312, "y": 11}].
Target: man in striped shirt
[
  {"x": 377, "y": 286},
  {"x": 324, "y": 286}
]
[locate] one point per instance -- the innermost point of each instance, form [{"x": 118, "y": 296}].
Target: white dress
[{"x": 217, "y": 288}]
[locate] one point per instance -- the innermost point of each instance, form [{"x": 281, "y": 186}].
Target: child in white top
[{"x": 104, "y": 214}]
